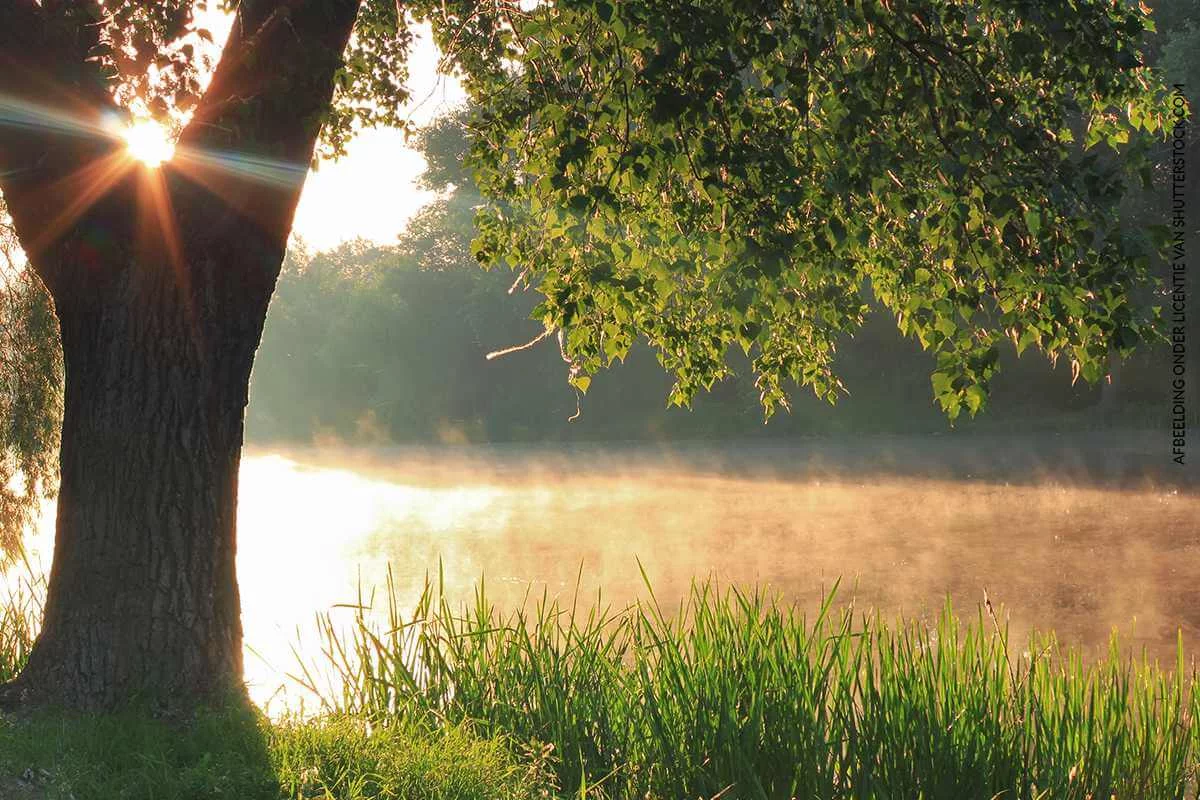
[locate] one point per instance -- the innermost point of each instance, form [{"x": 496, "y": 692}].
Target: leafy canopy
[
  {"x": 155, "y": 58},
  {"x": 749, "y": 173},
  {"x": 722, "y": 173}
]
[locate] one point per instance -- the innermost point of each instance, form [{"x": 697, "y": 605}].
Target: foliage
[
  {"x": 389, "y": 343},
  {"x": 155, "y": 57},
  {"x": 736, "y": 695},
  {"x": 30, "y": 393},
  {"x": 730, "y": 174}
]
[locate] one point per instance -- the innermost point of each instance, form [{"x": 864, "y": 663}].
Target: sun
[{"x": 148, "y": 142}]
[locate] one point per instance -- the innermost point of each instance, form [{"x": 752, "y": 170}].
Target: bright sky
[{"x": 371, "y": 192}]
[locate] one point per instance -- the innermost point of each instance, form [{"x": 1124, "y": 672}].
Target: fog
[{"x": 1075, "y": 534}]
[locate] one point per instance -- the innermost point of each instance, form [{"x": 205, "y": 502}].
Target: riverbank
[
  {"x": 732, "y": 694},
  {"x": 240, "y": 755}
]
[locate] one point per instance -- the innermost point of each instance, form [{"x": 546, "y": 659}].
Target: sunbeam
[
  {"x": 240, "y": 180},
  {"x": 266, "y": 171},
  {"x": 23, "y": 114},
  {"x": 159, "y": 232},
  {"x": 148, "y": 142},
  {"x": 85, "y": 186}
]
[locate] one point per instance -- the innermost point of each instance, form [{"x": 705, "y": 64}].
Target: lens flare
[{"x": 149, "y": 143}]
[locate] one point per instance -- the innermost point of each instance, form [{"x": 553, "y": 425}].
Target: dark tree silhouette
[{"x": 160, "y": 281}]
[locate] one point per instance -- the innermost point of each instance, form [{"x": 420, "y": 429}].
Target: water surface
[{"x": 1079, "y": 535}]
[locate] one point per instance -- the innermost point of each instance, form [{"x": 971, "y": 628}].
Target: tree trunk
[
  {"x": 143, "y": 598},
  {"x": 161, "y": 281}
]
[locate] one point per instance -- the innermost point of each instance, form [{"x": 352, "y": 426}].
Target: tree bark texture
[{"x": 161, "y": 281}]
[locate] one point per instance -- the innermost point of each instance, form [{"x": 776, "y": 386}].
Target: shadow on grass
[
  {"x": 239, "y": 754},
  {"x": 132, "y": 755}
]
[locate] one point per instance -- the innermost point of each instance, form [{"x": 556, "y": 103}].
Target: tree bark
[
  {"x": 143, "y": 598},
  {"x": 161, "y": 281},
  {"x": 161, "y": 293}
]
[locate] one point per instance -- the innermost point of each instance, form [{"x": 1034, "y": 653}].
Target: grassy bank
[
  {"x": 734, "y": 694},
  {"x": 241, "y": 755},
  {"x": 729, "y": 694}
]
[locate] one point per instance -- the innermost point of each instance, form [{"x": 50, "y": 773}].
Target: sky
[{"x": 371, "y": 192}]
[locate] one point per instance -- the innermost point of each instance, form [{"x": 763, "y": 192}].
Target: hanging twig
[{"x": 519, "y": 347}]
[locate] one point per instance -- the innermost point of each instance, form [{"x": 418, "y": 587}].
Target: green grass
[
  {"x": 240, "y": 755},
  {"x": 131, "y": 755},
  {"x": 731, "y": 694},
  {"x": 737, "y": 695},
  {"x": 349, "y": 759}
]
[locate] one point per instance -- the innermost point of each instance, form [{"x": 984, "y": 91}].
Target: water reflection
[
  {"x": 1076, "y": 556},
  {"x": 302, "y": 531}
]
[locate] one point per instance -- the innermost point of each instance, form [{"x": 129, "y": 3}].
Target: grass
[
  {"x": 21, "y": 595},
  {"x": 241, "y": 755},
  {"x": 346, "y": 758},
  {"x": 131, "y": 755},
  {"x": 732, "y": 694}
]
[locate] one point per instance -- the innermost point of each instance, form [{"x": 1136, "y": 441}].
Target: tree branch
[
  {"x": 266, "y": 103},
  {"x": 53, "y": 102}
]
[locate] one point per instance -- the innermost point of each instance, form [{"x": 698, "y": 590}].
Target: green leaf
[
  {"x": 1033, "y": 222},
  {"x": 975, "y": 398},
  {"x": 732, "y": 162}
]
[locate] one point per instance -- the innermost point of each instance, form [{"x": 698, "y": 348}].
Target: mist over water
[{"x": 1073, "y": 534}]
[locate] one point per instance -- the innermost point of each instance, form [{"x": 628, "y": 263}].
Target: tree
[
  {"x": 704, "y": 173},
  {"x": 160, "y": 282},
  {"x": 752, "y": 174},
  {"x": 30, "y": 393}
]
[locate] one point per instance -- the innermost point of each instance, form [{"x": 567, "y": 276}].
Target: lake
[{"x": 1077, "y": 534}]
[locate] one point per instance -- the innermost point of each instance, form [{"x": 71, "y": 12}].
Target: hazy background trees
[{"x": 377, "y": 343}]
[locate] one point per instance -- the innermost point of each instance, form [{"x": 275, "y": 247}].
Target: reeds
[
  {"x": 21, "y": 597},
  {"x": 735, "y": 694}
]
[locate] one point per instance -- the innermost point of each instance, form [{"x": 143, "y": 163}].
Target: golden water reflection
[
  {"x": 1074, "y": 558},
  {"x": 1077, "y": 557}
]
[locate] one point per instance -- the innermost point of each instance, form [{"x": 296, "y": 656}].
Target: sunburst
[{"x": 148, "y": 142}]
